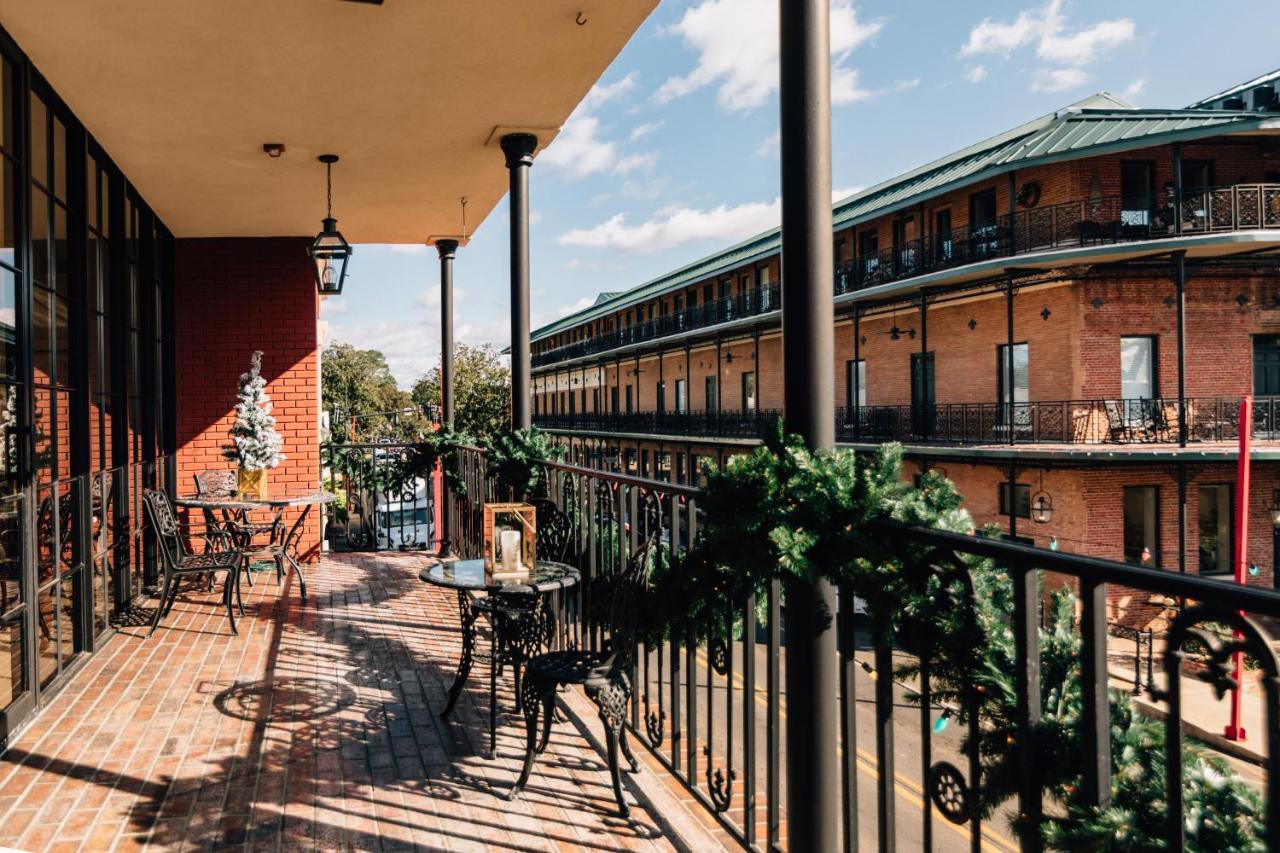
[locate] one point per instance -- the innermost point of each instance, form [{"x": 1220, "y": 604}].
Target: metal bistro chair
[
  {"x": 178, "y": 560},
  {"x": 520, "y": 621},
  {"x": 604, "y": 676}
]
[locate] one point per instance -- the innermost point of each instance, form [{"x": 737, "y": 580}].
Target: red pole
[{"x": 1240, "y": 556}]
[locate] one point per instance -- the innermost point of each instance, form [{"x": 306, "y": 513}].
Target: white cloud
[
  {"x": 737, "y": 46},
  {"x": 1058, "y": 79},
  {"x": 677, "y": 224},
  {"x": 1135, "y": 88},
  {"x": 976, "y": 74},
  {"x": 633, "y": 162},
  {"x": 579, "y": 149},
  {"x": 771, "y": 146},
  {"x": 330, "y": 306},
  {"x": 407, "y": 248},
  {"x": 1065, "y": 51},
  {"x": 642, "y": 130},
  {"x": 584, "y": 302},
  {"x": 841, "y": 193}
]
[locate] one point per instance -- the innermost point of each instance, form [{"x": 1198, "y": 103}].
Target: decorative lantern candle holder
[{"x": 509, "y": 538}]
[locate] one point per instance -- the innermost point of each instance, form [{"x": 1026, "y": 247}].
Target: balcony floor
[{"x": 313, "y": 729}]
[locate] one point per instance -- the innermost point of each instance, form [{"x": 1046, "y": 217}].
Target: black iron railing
[
  {"x": 732, "y": 423},
  {"x": 1086, "y": 222},
  {"x": 711, "y": 709},
  {"x": 1100, "y": 421},
  {"x": 379, "y": 508},
  {"x": 1120, "y": 421}
]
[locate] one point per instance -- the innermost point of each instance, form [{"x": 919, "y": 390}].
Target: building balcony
[
  {"x": 1080, "y": 224},
  {"x": 1209, "y": 420}
]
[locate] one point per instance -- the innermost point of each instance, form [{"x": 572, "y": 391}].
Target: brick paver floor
[{"x": 315, "y": 728}]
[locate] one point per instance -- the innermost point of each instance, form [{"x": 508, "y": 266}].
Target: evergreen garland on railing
[
  {"x": 785, "y": 512},
  {"x": 514, "y": 459}
]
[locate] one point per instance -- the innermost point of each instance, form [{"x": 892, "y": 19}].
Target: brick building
[{"x": 1076, "y": 306}]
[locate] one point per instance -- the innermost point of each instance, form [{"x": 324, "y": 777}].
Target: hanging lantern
[
  {"x": 330, "y": 250},
  {"x": 1041, "y": 508}
]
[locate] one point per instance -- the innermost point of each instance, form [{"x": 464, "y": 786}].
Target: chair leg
[
  {"x": 247, "y": 570},
  {"x": 164, "y": 595},
  {"x": 626, "y": 750},
  {"x": 167, "y": 603},
  {"x": 493, "y": 698},
  {"x": 611, "y": 700},
  {"x": 531, "y": 704},
  {"x": 226, "y": 598},
  {"x": 235, "y": 573},
  {"x": 548, "y": 699}
]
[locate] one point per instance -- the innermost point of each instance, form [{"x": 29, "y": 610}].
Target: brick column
[{"x": 235, "y": 295}]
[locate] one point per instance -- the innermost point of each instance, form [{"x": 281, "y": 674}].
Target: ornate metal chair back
[
  {"x": 215, "y": 483},
  {"x": 165, "y": 523},
  {"x": 554, "y": 531},
  {"x": 626, "y": 604}
]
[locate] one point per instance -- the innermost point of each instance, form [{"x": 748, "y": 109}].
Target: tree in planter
[
  {"x": 784, "y": 511},
  {"x": 255, "y": 444},
  {"x": 514, "y": 458}
]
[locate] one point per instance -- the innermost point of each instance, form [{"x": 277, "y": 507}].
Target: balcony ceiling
[{"x": 183, "y": 96}]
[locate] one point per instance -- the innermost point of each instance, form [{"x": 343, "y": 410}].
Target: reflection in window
[
  {"x": 1215, "y": 528},
  {"x": 1140, "y": 525}
]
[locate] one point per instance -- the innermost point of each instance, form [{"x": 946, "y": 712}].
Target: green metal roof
[{"x": 1090, "y": 126}]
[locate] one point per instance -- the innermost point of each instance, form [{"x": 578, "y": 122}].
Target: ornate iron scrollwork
[
  {"x": 948, "y": 792},
  {"x": 719, "y": 653},
  {"x": 719, "y": 783},
  {"x": 654, "y": 727}
]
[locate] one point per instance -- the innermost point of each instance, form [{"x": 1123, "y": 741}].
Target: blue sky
[{"x": 673, "y": 154}]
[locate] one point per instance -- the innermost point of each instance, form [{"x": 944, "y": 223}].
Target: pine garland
[
  {"x": 255, "y": 444},
  {"x": 514, "y": 458},
  {"x": 786, "y": 512}
]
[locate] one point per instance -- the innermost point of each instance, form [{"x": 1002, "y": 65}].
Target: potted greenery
[
  {"x": 514, "y": 458},
  {"x": 255, "y": 444}
]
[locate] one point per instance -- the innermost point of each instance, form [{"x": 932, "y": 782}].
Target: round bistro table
[
  {"x": 287, "y": 544},
  {"x": 468, "y": 576}
]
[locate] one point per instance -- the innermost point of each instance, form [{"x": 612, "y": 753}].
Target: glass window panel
[
  {"x": 10, "y": 562},
  {"x": 7, "y": 106},
  {"x": 8, "y": 196},
  {"x": 47, "y": 635},
  {"x": 103, "y": 593},
  {"x": 13, "y": 671},
  {"x": 1214, "y": 513},
  {"x": 58, "y": 166},
  {"x": 8, "y": 324},
  {"x": 91, "y": 193},
  {"x": 42, "y": 334},
  {"x": 39, "y": 141},
  {"x": 11, "y": 435},
  {"x": 68, "y": 617},
  {"x": 1021, "y": 374},
  {"x": 1137, "y": 368},
  {"x": 1140, "y": 525},
  {"x": 60, "y": 277},
  {"x": 42, "y": 429},
  {"x": 45, "y": 539},
  {"x": 62, "y": 340},
  {"x": 40, "y": 236}
]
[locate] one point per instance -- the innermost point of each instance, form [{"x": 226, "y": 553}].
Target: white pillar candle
[{"x": 510, "y": 550}]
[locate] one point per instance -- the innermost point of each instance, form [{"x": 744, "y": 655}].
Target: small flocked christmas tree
[{"x": 255, "y": 444}]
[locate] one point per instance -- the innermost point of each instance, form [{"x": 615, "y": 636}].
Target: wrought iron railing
[
  {"x": 1120, "y": 421},
  {"x": 1099, "y": 421},
  {"x": 1085, "y": 222},
  {"x": 730, "y": 423},
  {"x": 379, "y": 508},
  {"x": 711, "y": 710}
]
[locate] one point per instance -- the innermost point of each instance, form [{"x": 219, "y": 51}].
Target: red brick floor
[{"x": 313, "y": 729}]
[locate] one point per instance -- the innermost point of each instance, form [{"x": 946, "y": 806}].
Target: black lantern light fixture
[
  {"x": 330, "y": 250},
  {"x": 1041, "y": 504}
]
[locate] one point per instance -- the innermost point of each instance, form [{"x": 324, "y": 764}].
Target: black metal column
[
  {"x": 813, "y": 766},
  {"x": 1180, "y": 282},
  {"x": 448, "y": 250},
  {"x": 1008, "y": 364},
  {"x": 519, "y": 148},
  {"x": 854, "y": 406}
]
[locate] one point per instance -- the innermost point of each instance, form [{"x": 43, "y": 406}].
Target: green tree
[
  {"x": 357, "y": 384},
  {"x": 481, "y": 390}
]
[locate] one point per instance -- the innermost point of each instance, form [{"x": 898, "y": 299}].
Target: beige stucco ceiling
[{"x": 183, "y": 94}]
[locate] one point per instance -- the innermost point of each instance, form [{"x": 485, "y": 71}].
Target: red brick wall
[{"x": 235, "y": 295}]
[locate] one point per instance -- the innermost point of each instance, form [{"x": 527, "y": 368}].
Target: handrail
[{"x": 1098, "y": 221}]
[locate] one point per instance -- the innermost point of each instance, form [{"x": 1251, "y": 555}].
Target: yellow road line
[{"x": 909, "y": 789}]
